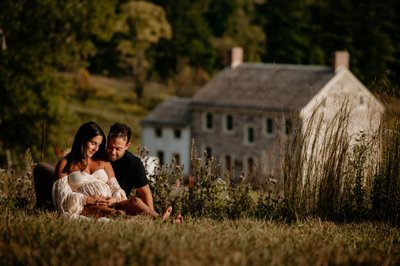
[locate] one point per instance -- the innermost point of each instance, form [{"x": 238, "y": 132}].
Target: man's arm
[{"x": 146, "y": 196}]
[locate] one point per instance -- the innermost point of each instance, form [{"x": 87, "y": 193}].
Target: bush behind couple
[{"x": 94, "y": 179}]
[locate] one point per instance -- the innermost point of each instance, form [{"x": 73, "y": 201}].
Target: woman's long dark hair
[{"x": 85, "y": 133}]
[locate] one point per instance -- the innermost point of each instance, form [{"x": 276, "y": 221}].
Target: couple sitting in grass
[{"x": 86, "y": 183}]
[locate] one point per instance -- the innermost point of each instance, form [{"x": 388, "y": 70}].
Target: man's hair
[{"x": 120, "y": 130}]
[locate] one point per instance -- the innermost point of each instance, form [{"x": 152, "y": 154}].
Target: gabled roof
[
  {"x": 171, "y": 112},
  {"x": 264, "y": 86}
]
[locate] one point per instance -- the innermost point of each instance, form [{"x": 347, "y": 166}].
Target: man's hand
[{"x": 111, "y": 201}]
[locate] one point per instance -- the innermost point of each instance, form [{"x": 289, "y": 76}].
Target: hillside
[{"x": 108, "y": 100}]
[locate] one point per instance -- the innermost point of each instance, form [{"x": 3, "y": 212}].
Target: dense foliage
[{"x": 39, "y": 38}]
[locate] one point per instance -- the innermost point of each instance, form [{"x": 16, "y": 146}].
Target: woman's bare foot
[{"x": 167, "y": 214}]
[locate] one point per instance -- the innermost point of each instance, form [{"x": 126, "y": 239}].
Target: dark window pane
[
  {"x": 250, "y": 134},
  {"x": 177, "y": 133},
  {"x": 229, "y": 122},
  {"x": 209, "y": 121},
  {"x": 228, "y": 163},
  {"x": 288, "y": 127},
  {"x": 158, "y": 132},
  {"x": 270, "y": 126},
  {"x": 160, "y": 156},
  {"x": 208, "y": 152},
  {"x": 177, "y": 158}
]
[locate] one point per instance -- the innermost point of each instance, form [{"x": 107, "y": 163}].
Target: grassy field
[
  {"x": 107, "y": 100},
  {"x": 46, "y": 239},
  {"x": 252, "y": 232}
]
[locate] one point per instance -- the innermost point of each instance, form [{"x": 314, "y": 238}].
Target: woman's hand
[{"x": 96, "y": 200}]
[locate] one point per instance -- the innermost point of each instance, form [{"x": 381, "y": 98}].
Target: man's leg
[{"x": 44, "y": 177}]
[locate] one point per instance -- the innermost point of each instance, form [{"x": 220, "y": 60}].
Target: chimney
[
  {"x": 236, "y": 56},
  {"x": 340, "y": 58}
]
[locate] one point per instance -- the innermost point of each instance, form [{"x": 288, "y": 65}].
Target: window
[
  {"x": 251, "y": 166},
  {"x": 208, "y": 152},
  {"x": 229, "y": 122},
  {"x": 288, "y": 127},
  {"x": 177, "y": 133},
  {"x": 160, "y": 155},
  {"x": 361, "y": 100},
  {"x": 209, "y": 121},
  {"x": 250, "y": 135},
  {"x": 270, "y": 126},
  {"x": 177, "y": 158},
  {"x": 228, "y": 163},
  {"x": 158, "y": 132}
]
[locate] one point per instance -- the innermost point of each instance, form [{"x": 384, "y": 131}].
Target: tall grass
[
  {"x": 331, "y": 174},
  {"x": 328, "y": 174},
  {"x": 386, "y": 194},
  {"x": 316, "y": 177}
]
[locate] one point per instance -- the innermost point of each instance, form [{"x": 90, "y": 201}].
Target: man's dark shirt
[{"x": 129, "y": 171}]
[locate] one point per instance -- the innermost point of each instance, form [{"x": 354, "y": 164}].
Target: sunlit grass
[
  {"x": 46, "y": 238},
  {"x": 109, "y": 100}
]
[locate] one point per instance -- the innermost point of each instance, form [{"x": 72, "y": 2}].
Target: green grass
[{"x": 46, "y": 238}]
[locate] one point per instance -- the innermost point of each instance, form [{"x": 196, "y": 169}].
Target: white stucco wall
[
  {"x": 342, "y": 112},
  {"x": 169, "y": 144},
  {"x": 345, "y": 90}
]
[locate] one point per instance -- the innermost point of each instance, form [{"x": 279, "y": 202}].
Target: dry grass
[
  {"x": 47, "y": 239},
  {"x": 331, "y": 181}
]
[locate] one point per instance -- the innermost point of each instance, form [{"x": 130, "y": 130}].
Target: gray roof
[
  {"x": 171, "y": 112},
  {"x": 265, "y": 86}
]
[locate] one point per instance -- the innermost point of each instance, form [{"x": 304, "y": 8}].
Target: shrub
[{"x": 16, "y": 188}]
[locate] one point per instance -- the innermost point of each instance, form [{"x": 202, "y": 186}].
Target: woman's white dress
[{"x": 70, "y": 192}]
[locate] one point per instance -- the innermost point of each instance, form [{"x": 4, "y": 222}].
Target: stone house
[
  {"x": 166, "y": 132},
  {"x": 244, "y": 114}
]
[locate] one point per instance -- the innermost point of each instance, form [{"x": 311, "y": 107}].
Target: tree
[
  {"x": 218, "y": 15},
  {"x": 286, "y": 28},
  {"x": 190, "y": 45},
  {"x": 141, "y": 24},
  {"x": 244, "y": 31},
  {"x": 374, "y": 46},
  {"x": 38, "y": 39}
]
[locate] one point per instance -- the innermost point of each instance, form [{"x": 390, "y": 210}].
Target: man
[{"x": 128, "y": 168}]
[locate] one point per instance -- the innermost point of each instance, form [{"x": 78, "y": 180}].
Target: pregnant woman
[{"x": 87, "y": 185}]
